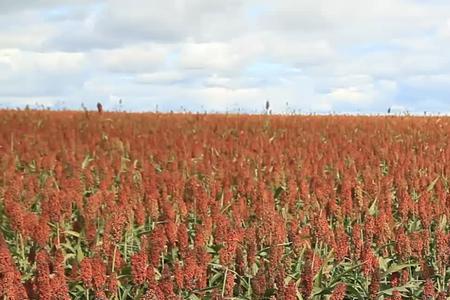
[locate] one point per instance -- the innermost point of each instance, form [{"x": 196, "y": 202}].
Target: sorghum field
[{"x": 193, "y": 206}]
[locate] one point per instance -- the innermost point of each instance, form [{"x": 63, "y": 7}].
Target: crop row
[{"x": 193, "y": 206}]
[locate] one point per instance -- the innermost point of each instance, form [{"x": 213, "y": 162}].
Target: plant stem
[{"x": 114, "y": 258}]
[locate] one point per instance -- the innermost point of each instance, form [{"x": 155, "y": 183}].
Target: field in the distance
[{"x": 186, "y": 206}]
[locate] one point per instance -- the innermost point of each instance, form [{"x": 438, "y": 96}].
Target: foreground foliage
[{"x": 154, "y": 206}]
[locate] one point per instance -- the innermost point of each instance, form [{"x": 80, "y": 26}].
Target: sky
[{"x": 303, "y": 56}]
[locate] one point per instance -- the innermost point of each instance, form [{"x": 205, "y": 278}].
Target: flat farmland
[{"x": 203, "y": 206}]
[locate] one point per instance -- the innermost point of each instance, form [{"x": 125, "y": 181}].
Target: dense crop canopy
[{"x": 191, "y": 206}]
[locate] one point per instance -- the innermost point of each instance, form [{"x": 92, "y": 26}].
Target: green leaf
[
  {"x": 86, "y": 161},
  {"x": 341, "y": 275},
  {"x": 384, "y": 262},
  {"x": 79, "y": 287},
  {"x": 215, "y": 278},
  {"x": 443, "y": 222},
  {"x": 432, "y": 184},
  {"x": 269, "y": 292},
  {"x": 278, "y": 192},
  {"x": 68, "y": 246},
  {"x": 403, "y": 288},
  {"x": 351, "y": 290},
  {"x": 80, "y": 254},
  {"x": 397, "y": 267},
  {"x": 336, "y": 280},
  {"x": 72, "y": 233},
  {"x": 373, "y": 209}
]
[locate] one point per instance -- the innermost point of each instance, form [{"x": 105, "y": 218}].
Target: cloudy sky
[{"x": 303, "y": 55}]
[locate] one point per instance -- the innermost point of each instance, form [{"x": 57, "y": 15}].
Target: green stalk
[
  {"x": 22, "y": 248},
  {"x": 125, "y": 247},
  {"x": 57, "y": 235},
  {"x": 132, "y": 236},
  {"x": 224, "y": 282},
  {"x": 114, "y": 259}
]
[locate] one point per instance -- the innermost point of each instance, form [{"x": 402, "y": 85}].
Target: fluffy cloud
[
  {"x": 215, "y": 56},
  {"x": 133, "y": 59},
  {"x": 164, "y": 77},
  {"x": 226, "y": 55}
]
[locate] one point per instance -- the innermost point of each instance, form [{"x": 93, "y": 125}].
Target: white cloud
[
  {"x": 218, "y": 81},
  {"x": 50, "y": 62},
  {"x": 351, "y": 94},
  {"x": 163, "y": 77},
  {"x": 215, "y": 56},
  {"x": 33, "y": 38},
  {"x": 299, "y": 52},
  {"x": 133, "y": 59},
  {"x": 315, "y": 55},
  {"x": 444, "y": 30}
]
